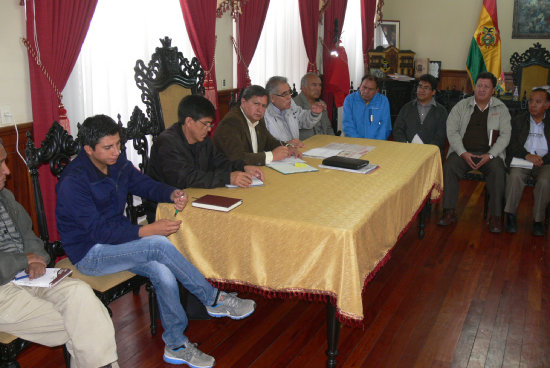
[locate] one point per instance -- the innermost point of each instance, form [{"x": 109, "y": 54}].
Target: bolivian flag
[{"x": 484, "y": 54}]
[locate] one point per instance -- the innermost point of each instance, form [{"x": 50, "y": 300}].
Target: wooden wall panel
[{"x": 459, "y": 79}]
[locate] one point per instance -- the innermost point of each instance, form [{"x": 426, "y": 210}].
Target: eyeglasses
[
  {"x": 426, "y": 87},
  {"x": 207, "y": 125},
  {"x": 285, "y": 93}
]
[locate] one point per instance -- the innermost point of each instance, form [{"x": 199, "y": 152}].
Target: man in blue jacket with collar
[
  {"x": 367, "y": 112},
  {"x": 99, "y": 239}
]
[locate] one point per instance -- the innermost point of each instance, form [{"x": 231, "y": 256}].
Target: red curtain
[
  {"x": 249, "y": 28},
  {"x": 61, "y": 26},
  {"x": 309, "y": 17},
  {"x": 368, "y": 12},
  {"x": 200, "y": 21},
  {"x": 335, "y": 10}
]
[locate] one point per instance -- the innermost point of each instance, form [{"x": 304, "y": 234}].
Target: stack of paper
[
  {"x": 291, "y": 165},
  {"x": 519, "y": 162},
  {"x": 255, "y": 183}
]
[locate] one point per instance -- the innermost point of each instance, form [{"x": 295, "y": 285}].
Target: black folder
[{"x": 345, "y": 162}]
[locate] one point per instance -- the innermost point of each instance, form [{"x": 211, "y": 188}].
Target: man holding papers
[
  {"x": 530, "y": 141},
  {"x": 422, "y": 120},
  {"x": 478, "y": 129},
  {"x": 243, "y": 135},
  {"x": 68, "y": 314}
]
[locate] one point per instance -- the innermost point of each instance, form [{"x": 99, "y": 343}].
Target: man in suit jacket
[
  {"x": 243, "y": 135},
  {"x": 530, "y": 141},
  {"x": 422, "y": 120}
]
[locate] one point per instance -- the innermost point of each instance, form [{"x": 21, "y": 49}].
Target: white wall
[
  {"x": 442, "y": 29},
  {"x": 15, "y": 90}
]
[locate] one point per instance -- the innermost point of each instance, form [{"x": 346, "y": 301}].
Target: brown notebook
[
  {"x": 493, "y": 135},
  {"x": 218, "y": 203}
]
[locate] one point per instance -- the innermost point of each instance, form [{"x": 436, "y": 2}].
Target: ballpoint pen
[
  {"x": 21, "y": 277},
  {"x": 176, "y": 213}
]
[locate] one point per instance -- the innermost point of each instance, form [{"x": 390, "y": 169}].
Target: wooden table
[{"x": 319, "y": 235}]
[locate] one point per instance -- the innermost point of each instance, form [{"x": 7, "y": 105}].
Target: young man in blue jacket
[
  {"x": 367, "y": 112},
  {"x": 99, "y": 239}
]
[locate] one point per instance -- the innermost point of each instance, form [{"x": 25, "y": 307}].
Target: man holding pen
[{"x": 99, "y": 239}]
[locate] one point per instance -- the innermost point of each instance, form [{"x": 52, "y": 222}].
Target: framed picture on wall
[
  {"x": 434, "y": 68},
  {"x": 531, "y": 20},
  {"x": 387, "y": 34}
]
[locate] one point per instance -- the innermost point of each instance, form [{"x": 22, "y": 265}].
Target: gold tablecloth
[{"x": 312, "y": 234}]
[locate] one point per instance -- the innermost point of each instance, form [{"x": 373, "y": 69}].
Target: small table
[{"x": 320, "y": 235}]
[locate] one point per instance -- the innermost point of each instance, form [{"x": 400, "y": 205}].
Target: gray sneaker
[
  {"x": 229, "y": 305},
  {"x": 190, "y": 355}
]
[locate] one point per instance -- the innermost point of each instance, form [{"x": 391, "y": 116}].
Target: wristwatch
[{"x": 491, "y": 156}]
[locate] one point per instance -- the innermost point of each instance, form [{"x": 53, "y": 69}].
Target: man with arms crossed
[
  {"x": 530, "y": 141},
  {"x": 472, "y": 127},
  {"x": 242, "y": 134},
  {"x": 283, "y": 117},
  {"x": 422, "y": 120},
  {"x": 99, "y": 239},
  {"x": 367, "y": 112},
  {"x": 311, "y": 92},
  {"x": 68, "y": 314}
]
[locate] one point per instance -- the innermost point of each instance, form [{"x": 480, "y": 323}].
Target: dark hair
[
  {"x": 487, "y": 75},
  {"x": 96, "y": 127},
  {"x": 196, "y": 107},
  {"x": 253, "y": 91},
  {"x": 371, "y": 78},
  {"x": 429, "y": 79},
  {"x": 538, "y": 89}
]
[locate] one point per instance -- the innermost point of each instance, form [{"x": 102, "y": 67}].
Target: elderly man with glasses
[
  {"x": 422, "y": 120},
  {"x": 283, "y": 117},
  {"x": 184, "y": 156}
]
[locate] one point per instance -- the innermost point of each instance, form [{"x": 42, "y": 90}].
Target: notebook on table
[
  {"x": 345, "y": 162},
  {"x": 217, "y": 203}
]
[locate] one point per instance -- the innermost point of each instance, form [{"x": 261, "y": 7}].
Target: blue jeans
[{"x": 156, "y": 258}]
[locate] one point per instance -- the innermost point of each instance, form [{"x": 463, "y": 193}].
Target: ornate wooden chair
[
  {"x": 530, "y": 69},
  {"x": 56, "y": 150}
]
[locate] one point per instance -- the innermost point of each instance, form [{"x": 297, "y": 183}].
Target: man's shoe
[
  {"x": 449, "y": 216},
  {"x": 229, "y": 305},
  {"x": 511, "y": 223},
  {"x": 538, "y": 229},
  {"x": 190, "y": 355},
  {"x": 495, "y": 225}
]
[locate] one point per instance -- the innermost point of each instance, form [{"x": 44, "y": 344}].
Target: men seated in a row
[
  {"x": 478, "y": 130},
  {"x": 530, "y": 141},
  {"x": 423, "y": 120},
  {"x": 367, "y": 112},
  {"x": 68, "y": 314},
  {"x": 99, "y": 239},
  {"x": 311, "y": 87},
  {"x": 184, "y": 156},
  {"x": 283, "y": 117},
  {"x": 243, "y": 135}
]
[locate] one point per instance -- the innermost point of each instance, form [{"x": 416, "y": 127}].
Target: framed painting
[
  {"x": 387, "y": 34},
  {"x": 531, "y": 19}
]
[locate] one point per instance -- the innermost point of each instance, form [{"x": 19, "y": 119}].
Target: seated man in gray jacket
[
  {"x": 478, "y": 130},
  {"x": 422, "y": 120},
  {"x": 311, "y": 86}
]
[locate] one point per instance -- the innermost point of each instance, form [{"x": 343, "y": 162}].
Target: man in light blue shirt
[{"x": 367, "y": 112}]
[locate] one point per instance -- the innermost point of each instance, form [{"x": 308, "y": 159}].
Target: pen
[
  {"x": 21, "y": 277},
  {"x": 175, "y": 214}
]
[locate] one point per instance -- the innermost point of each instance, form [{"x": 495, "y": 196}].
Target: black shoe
[
  {"x": 495, "y": 224},
  {"x": 511, "y": 223},
  {"x": 538, "y": 229},
  {"x": 449, "y": 216}
]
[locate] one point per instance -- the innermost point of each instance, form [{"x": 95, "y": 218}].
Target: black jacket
[{"x": 520, "y": 133}]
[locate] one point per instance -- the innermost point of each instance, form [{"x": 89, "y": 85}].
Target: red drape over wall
[
  {"x": 61, "y": 26},
  {"x": 309, "y": 18},
  {"x": 200, "y": 21},
  {"x": 249, "y": 29},
  {"x": 368, "y": 12}
]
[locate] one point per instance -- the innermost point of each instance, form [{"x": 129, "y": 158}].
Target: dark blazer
[
  {"x": 232, "y": 137},
  {"x": 520, "y": 133},
  {"x": 432, "y": 131}
]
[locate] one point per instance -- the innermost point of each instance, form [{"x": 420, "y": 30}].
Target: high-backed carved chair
[
  {"x": 530, "y": 69},
  {"x": 56, "y": 150},
  {"x": 166, "y": 79}
]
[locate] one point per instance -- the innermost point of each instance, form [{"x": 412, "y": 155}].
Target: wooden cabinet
[{"x": 18, "y": 181}]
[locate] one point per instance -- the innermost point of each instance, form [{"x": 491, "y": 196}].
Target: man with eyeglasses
[
  {"x": 184, "y": 156},
  {"x": 530, "y": 141},
  {"x": 243, "y": 135},
  {"x": 422, "y": 120},
  {"x": 283, "y": 117},
  {"x": 367, "y": 112}
]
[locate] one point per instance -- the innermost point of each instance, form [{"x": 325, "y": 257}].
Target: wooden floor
[{"x": 461, "y": 297}]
